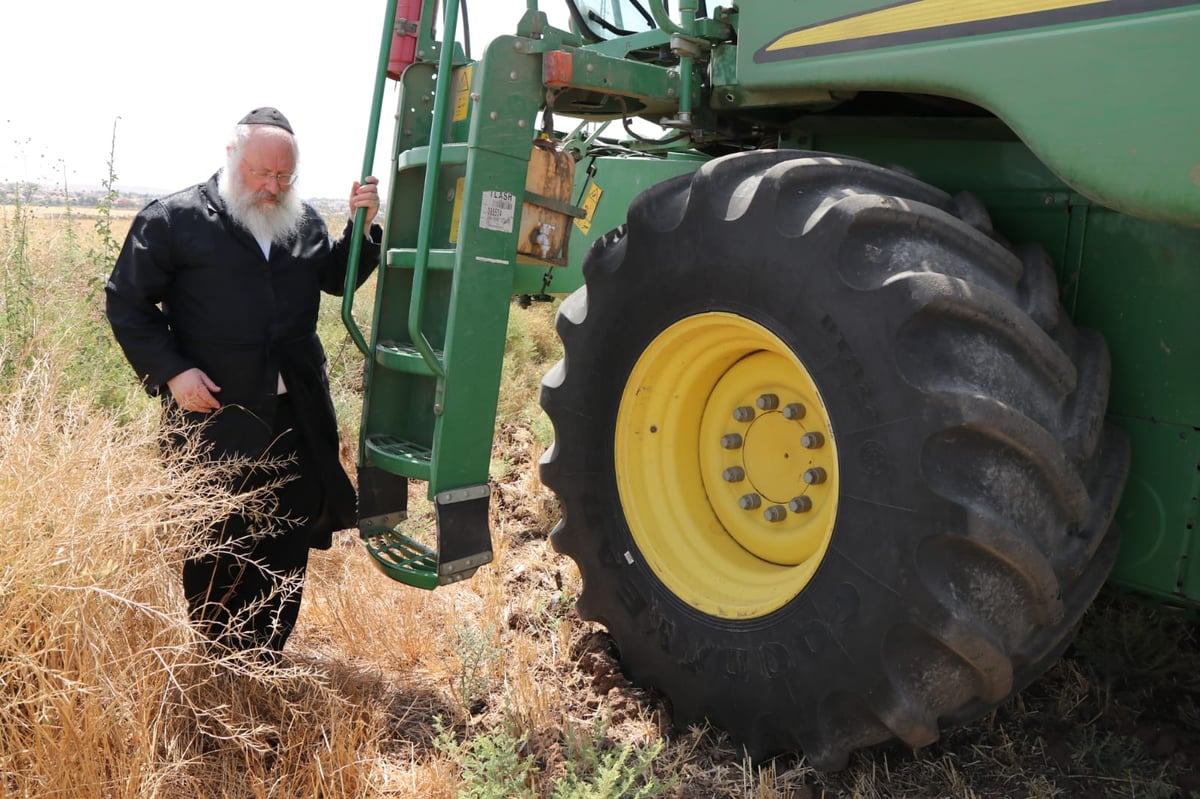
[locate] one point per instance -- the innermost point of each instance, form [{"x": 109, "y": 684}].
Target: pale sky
[{"x": 180, "y": 74}]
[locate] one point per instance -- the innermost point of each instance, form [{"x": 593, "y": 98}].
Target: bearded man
[{"x": 214, "y": 302}]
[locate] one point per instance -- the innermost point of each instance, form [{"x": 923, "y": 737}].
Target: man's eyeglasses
[{"x": 285, "y": 179}]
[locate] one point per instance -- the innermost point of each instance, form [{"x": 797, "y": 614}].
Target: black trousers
[{"x": 246, "y": 594}]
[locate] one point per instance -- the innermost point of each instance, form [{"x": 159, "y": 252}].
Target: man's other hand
[{"x": 193, "y": 391}]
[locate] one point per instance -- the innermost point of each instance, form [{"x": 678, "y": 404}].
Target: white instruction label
[{"x": 497, "y": 211}]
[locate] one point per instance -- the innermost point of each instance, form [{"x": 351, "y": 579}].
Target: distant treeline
[{"x": 13, "y": 193}]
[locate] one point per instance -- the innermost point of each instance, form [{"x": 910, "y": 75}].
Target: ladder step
[
  {"x": 403, "y": 357},
  {"x": 397, "y": 456},
  {"x": 418, "y": 157},
  {"x": 406, "y": 258},
  {"x": 403, "y": 559}
]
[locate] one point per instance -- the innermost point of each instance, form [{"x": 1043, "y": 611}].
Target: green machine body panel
[
  {"x": 1101, "y": 91},
  {"x": 1074, "y": 121}
]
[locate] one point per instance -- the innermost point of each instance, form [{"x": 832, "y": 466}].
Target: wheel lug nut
[
  {"x": 793, "y": 411},
  {"x": 800, "y": 504},
  {"x": 731, "y": 441},
  {"x": 743, "y": 413},
  {"x": 814, "y": 476},
  {"x": 767, "y": 402},
  {"x": 812, "y": 440},
  {"x": 749, "y": 501},
  {"x": 775, "y": 513},
  {"x": 734, "y": 474}
]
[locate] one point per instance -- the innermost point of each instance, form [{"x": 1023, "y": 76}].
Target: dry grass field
[{"x": 490, "y": 688}]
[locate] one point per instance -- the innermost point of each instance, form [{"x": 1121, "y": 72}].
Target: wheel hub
[{"x": 772, "y": 493}]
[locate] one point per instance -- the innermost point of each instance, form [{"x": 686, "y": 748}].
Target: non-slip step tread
[
  {"x": 418, "y": 157},
  {"x": 404, "y": 357},
  {"x": 394, "y": 454},
  {"x": 406, "y": 258},
  {"x": 402, "y": 558}
]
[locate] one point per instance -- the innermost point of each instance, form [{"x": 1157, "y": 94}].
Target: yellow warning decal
[
  {"x": 917, "y": 21},
  {"x": 589, "y": 208},
  {"x": 456, "y": 214},
  {"x": 462, "y": 92}
]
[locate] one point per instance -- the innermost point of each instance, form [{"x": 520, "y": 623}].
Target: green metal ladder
[{"x": 440, "y": 316}]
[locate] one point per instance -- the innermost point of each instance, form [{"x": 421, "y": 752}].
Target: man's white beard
[{"x": 276, "y": 221}]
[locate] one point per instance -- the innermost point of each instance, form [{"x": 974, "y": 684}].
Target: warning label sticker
[
  {"x": 497, "y": 211},
  {"x": 462, "y": 92},
  {"x": 589, "y": 207}
]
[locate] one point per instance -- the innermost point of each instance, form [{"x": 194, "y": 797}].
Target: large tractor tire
[{"x": 832, "y": 460}]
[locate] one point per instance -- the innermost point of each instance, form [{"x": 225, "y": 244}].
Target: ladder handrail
[
  {"x": 360, "y": 215},
  {"x": 437, "y": 133}
]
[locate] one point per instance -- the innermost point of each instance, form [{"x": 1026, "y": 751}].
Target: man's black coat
[{"x": 191, "y": 288}]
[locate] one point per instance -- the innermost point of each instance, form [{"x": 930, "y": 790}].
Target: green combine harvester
[{"x": 877, "y": 354}]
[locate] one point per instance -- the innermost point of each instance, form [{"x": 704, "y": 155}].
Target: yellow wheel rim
[{"x": 726, "y": 466}]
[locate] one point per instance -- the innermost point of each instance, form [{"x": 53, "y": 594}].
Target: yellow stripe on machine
[{"x": 918, "y": 15}]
